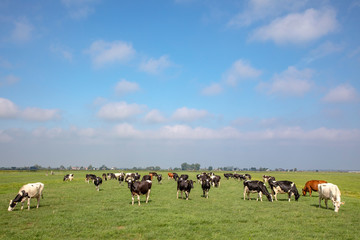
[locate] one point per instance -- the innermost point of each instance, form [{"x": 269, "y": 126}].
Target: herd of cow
[{"x": 184, "y": 185}]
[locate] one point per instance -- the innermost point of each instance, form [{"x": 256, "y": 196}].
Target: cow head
[
  {"x": 12, "y": 205},
  {"x": 337, "y": 205},
  {"x": 304, "y": 191}
]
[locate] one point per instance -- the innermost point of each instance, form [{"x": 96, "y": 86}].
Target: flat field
[{"x": 75, "y": 210}]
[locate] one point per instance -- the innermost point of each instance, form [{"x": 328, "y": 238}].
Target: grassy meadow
[{"x": 75, "y": 210}]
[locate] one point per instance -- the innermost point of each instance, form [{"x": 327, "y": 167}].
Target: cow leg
[
  {"x": 319, "y": 202},
  {"x": 244, "y": 194},
  {"x": 177, "y": 194},
  {"x": 138, "y": 199},
  {"x": 310, "y": 192},
  {"x": 132, "y": 199},
  {"x": 38, "y": 202},
  {"x": 187, "y": 195},
  {"x": 28, "y": 203},
  {"x": 207, "y": 194},
  {"x": 260, "y": 195},
  {"x": 147, "y": 196},
  {"x": 290, "y": 193},
  {"x": 326, "y": 201}
]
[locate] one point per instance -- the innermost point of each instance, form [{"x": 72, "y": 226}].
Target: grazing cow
[
  {"x": 68, "y": 177},
  {"x": 139, "y": 188},
  {"x": 215, "y": 180},
  {"x": 175, "y": 176},
  {"x": 132, "y": 176},
  {"x": 266, "y": 178},
  {"x": 312, "y": 185},
  {"x": 239, "y": 177},
  {"x": 330, "y": 191},
  {"x": 170, "y": 175},
  {"x": 146, "y": 177},
  {"x": 284, "y": 187},
  {"x": 30, "y": 190},
  {"x": 159, "y": 178},
  {"x": 206, "y": 185},
  {"x": 97, "y": 183},
  {"x": 104, "y": 176},
  {"x": 256, "y": 187},
  {"x": 117, "y": 176},
  {"x": 248, "y": 176},
  {"x": 184, "y": 186},
  {"x": 153, "y": 174},
  {"x": 89, "y": 177},
  {"x": 228, "y": 175}
]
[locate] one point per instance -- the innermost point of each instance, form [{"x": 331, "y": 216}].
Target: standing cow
[
  {"x": 312, "y": 185},
  {"x": 330, "y": 191}
]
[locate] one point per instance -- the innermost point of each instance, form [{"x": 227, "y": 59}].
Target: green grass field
[{"x": 75, "y": 210}]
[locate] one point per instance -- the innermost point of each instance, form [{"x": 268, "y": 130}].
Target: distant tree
[
  {"x": 253, "y": 169},
  {"x": 157, "y": 168},
  {"x": 103, "y": 167},
  {"x": 90, "y": 167},
  {"x": 196, "y": 167},
  {"x": 62, "y": 167},
  {"x": 210, "y": 168}
]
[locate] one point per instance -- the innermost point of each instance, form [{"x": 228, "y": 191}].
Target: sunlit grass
[{"x": 76, "y": 210}]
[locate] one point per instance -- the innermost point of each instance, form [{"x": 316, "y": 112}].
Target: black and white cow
[
  {"x": 89, "y": 177},
  {"x": 68, "y": 177},
  {"x": 284, "y": 187},
  {"x": 206, "y": 185},
  {"x": 175, "y": 176},
  {"x": 228, "y": 175},
  {"x": 146, "y": 177},
  {"x": 159, "y": 178},
  {"x": 104, "y": 176},
  {"x": 215, "y": 180},
  {"x": 97, "y": 183},
  {"x": 28, "y": 191},
  {"x": 139, "y": 188},
  {"x": 239, "y": 177},
  {"x": 266, "y": 178},
  {"x": 184, "y": 186},
  {"x": 256, "y": 187},
  {"x": 248, "y": 176}
]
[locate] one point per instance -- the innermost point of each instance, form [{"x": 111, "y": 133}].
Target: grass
[{"x": 76, "y": 210}]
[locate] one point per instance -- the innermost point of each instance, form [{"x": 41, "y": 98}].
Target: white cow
[
  {"x": 30, "y": 190},
  {"x": 330, "y": 191}
]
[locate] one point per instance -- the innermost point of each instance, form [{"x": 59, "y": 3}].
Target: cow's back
[{"x": 329, "y": 191}]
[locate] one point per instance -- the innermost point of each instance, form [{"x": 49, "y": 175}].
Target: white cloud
[
  {"x": 120, "y": 110},
  {"x": 213, "y": 89},
  {"x": 124, "y": 87},
  {"x": 187, "y": 115},
  {"x": 103, "y": 53},
  {"x": 240, "y": 70},
  {"x": 8, "y": 109},
  {"x": 22, "y": 31},
  {"x": 8, "y": 80},
  {"x": 38, "y": 114},
  {"x": 323, "y": 50},
  {"x": 126, "y": 130},
  {"x": 155, "y": 66},
  {"x": 340, "y": 94},
  {"x": 4, "y": 137},
  {"x": 291, "y": 82},
  {"x": 262, "y": 9},
  {"x": 62, "y": 51},
  {"x": 79, "y": 9},
  {"x": 298, "y": 27},
  {"x": 154, "y": 116}
]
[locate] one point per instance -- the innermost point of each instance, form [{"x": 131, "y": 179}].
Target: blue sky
[{"x": 157, "y": 83}]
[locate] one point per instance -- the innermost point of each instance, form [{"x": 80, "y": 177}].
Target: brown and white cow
[
  {"x": 330, "y": 191},
  {"x": 28, "y": 191},
  {"x": 312, "y": 185}
]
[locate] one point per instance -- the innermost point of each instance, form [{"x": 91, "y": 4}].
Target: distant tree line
[{"x": 184, "y": 166}]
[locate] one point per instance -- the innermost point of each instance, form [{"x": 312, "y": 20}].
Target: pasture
[{"x": 75, "y": 210}]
